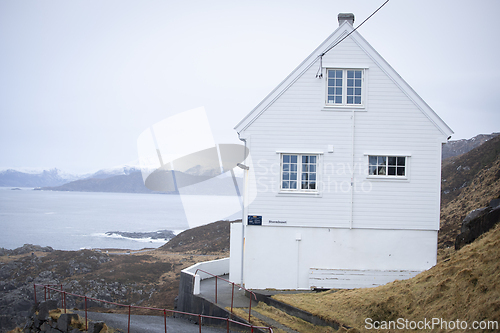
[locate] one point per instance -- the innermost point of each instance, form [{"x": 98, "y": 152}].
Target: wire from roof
[{"x": 319, "y": 74}]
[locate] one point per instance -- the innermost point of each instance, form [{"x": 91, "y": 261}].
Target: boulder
[
  {"x": 95, "y": 326},
  {"x": 477, "y": 223},
  {"x": 64, "y": 321},
  {"x": 44, "y": 308}
]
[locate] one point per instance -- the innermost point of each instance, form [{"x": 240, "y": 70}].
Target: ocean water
[{"x": 76, "y": 220}]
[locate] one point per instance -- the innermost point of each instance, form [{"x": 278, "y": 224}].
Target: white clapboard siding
[
  {"x": 378, "y": 223},
  {"x": 321, "y": 278}
]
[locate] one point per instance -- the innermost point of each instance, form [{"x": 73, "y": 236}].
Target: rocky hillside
[
  {"x": 207, "y": 239},
  {"x": 469, "y": 181},
  {"x": 149, "y": 278}
]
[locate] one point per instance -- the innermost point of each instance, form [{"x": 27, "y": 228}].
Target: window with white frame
[
  {"x": 344, "y": 87},
  {"x": 387, "y": 166},
  {"x": 299, "y": 172}
]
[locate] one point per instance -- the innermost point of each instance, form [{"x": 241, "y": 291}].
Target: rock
[
  {"x": 477, "y": 223},
  {"x": 44, "y": 308},
  {"x": 95, "y": 326},
  {"x": 64, "y": 321}
]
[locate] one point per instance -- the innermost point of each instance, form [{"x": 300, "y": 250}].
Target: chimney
[{"x": 349, "y": 17}]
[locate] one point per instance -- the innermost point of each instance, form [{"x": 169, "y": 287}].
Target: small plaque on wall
[{"x": 254, "y": 220}]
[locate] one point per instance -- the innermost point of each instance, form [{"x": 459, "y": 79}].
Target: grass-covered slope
[
  {"x": 464, "y": 287},
  {"x": 469, "y": 181}
]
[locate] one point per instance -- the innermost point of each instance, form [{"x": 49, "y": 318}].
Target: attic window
[{"x": 344, "y": 87}]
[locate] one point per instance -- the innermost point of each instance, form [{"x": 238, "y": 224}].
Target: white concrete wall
[
  {"x": 275, "y": 258},
  {"x": 216, "y": 267},
  {"x": 235, "y": 249}
]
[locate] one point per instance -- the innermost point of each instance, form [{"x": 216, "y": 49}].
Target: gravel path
[{"x": 148, "y": 324}]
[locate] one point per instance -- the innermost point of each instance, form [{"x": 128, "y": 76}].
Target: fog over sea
[{"x": 76, "y": 220}]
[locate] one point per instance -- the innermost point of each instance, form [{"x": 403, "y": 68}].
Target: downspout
[
  {"x": 244, "y": 208},
  {"x": 352, "y": 169}
]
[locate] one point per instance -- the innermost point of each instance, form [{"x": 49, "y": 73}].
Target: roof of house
[{"x": 344, "y": 29}]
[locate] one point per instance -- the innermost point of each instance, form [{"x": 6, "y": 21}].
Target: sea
[{"x": 78, "y": 220}]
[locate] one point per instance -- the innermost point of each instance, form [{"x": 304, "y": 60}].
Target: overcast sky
[{"x": 81, "y": 80}]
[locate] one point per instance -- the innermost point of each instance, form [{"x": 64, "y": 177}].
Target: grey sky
[{"x": 80, "y": 80}]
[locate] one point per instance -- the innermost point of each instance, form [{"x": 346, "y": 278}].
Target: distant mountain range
[
  {"x": 53, "y": 177},
  {"x": 459, "y": 147}
]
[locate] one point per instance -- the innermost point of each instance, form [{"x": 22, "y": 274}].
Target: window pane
[
  {"x": 392, "y": 160},
  {"x": 401, "y": 171},
  {"x": 401, "y": 161},
  {"x": 293, "y": 167},
  {"x": 350, "y": 74},
  {"x": 305, "y": 159},
  {"x": 381, "y": 160},
  {"x": 357, "y": 100},
  {"x": 331, "y": 74},
  {"x": 304, "y": 168},
  {"x": 350, "y": 82},
  {"x": 358, "y": 74},
  {"x": 338, "y": 91},
  {"x": 285, "y": 185},
  {"x": 392, "y": 171},
  {"x": 293, "y": 176},
  {"x": 293, "y": 158},
  {"x": 286, "y": 176},
  {"x": 350, "y": 100},
  {"x": 312, "y": 186},
  {"x": 293, "y": 185},
  {"x": 304, "y": 176},
  {"x": 331, "y": 90},
  {"x": 312, "y": 176},
  {"x": 357, "y": 91},
  {"x": 372, "y": 170},
  {"x": 286, "y": 158},
  {"x": 350, "y": 91},
  {"x": 381, "y": 170},
  {"x": 312, "y": 168},
  {"x": 339, "y": 73},
  {"x": 286, "y": 167},
  {"x": 373, "y": 160},
  {"x": 338, "y": 82},
  {"x": 312, "y": 159},
  {"x": 338, "y": 100},
  {"x": 304, "y": 185},
  {"x": 358, "y": 83}
]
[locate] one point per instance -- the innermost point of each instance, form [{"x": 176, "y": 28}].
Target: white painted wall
[
  {"x": 235, "y": 249},
  {"x": 276, "y": 259},
  {"x": 216, "y": 267}
]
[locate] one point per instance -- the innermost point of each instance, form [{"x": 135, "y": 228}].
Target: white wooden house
[{"x": 343, "y": 186}]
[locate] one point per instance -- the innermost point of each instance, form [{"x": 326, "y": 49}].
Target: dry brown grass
[
  {"x": 283, "y": 318},
  {"x": 465, "y": 287}
]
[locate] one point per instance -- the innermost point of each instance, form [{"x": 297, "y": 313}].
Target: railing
[
  {"x": 228, "y": 321},
  {"x": 232, "y": 292}
]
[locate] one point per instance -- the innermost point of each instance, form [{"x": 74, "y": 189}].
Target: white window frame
[
  {"x": 406, "y": 176},
  {"x": 344, "y": 106},
  {"x": 299, "y": 173}
]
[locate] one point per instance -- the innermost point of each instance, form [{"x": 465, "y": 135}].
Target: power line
[{"x": 319, "y": 74}]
